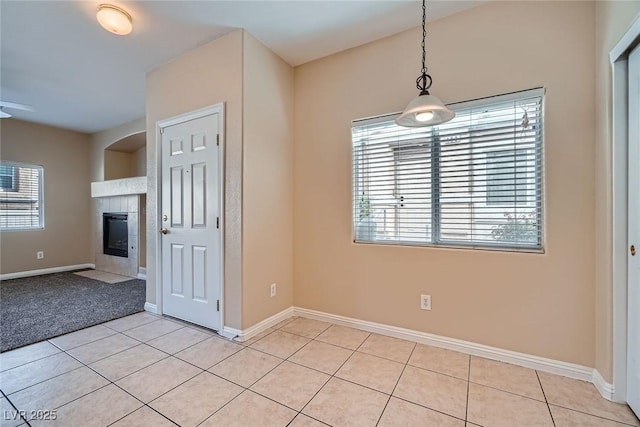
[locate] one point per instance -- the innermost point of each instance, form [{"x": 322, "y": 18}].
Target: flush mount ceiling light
[
  {"x": 426, "y": 109},
  {"x": 114, "y": 19}
]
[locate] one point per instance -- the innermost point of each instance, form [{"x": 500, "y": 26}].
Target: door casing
[
  {"x": 206, "y": 111},
  {"x": 619, "y": 247}
]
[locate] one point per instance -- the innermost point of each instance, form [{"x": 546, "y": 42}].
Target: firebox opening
[{"x": 115, "y": 236}]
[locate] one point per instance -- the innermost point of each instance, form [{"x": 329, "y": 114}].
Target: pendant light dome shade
[{"x": 425, "y": 110}]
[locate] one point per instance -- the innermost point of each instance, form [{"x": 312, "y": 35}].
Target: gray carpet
[{"x": 36, "y": 308}]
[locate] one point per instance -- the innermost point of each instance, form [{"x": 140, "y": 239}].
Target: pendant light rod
[{"x": 424, "y": 81}]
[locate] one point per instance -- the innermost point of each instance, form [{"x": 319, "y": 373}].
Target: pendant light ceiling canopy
[{"x": 426, "y": 109}]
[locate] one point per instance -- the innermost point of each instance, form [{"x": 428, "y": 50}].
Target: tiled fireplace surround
[{"x": 129, "y": 204}]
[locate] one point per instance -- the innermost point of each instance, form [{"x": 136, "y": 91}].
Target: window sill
[{"x": 537, "y": 251}]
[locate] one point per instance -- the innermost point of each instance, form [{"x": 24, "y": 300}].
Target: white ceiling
[{"x": 56, "y": 58}]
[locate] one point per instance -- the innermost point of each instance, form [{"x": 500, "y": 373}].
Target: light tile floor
[
  {"x": 144, "y": 370},
  {"x": 104, "y": 276}
]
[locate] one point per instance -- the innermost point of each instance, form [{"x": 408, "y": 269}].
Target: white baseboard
[
  {"x": 557, "y": 367},
  {"x": 544, "y": 364},
  {"x": 606, "y": 389},
  {"x": 151, "y": 308},
  {"x": 30, "y": 273},
  {"x": 142, "y": 273},
  {"x": 243, "y": 335}
]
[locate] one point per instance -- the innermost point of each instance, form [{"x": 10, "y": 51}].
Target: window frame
[
  {"x": 41, "y": 201},
  {"x": 436, "y": 240}
]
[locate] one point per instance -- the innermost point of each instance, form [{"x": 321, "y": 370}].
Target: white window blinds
[
  {"x": 21, "y": 196},
  {"x": 473, "y": 181}
]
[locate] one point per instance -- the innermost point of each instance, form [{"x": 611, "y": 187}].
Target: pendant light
[{"x": 426, "y": 109}]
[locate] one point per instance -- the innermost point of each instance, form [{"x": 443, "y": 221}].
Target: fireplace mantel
[{"x": 119, "y": 187}]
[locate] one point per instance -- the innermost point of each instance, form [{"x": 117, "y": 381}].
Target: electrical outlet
[
  {"x": 425, "y": 302},
  {"x": 273, "y": 290},
  {"x": 40, "y": 255}
]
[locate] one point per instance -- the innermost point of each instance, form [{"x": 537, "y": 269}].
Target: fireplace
[{"x": 115, "y": 236}]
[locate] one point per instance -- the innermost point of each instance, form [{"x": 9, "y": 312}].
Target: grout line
[
  {"x": 40, "y": 382},
  {"x": 85, "y": 343},
  {"x": 447, "y": 375},
  {"x": 166, "y": 356},
  {"x": 103, "y": 323},
  {"x": 83, "y": 364},
  {"x": 179, "y": 351},
  {"x": 168, "y": 391},
  {"x": 34, "y": 360},
  {"x": 430, "y": 408},
  {"x": 545, "y": 398},
  {"x": 395, "y": 386},
  {"x": 14, "y": 407},
  {"x": 506, "y": 391},
  {"x": 243, "y": 346},
  {"x": 592, "y": 415},
  {"x": 161, "y": 414},
  {"x": 298, "y": 412},
  {"x": 248, "y": 389},
  {"x": 106, "y": 357},
  {"x": 133, "y": 327},
  {"x": 308, "y": 416},
  {"x": 86, "y": 394},
  {"x": 151, "y": 339},
  {"x": 118, "y": 386}
]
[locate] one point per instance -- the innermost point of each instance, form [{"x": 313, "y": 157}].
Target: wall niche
[{"x": 126, "y": 158}]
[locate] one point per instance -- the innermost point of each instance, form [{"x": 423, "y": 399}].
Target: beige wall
[
  {"x": 540, "y": 304},
  {"x": 613, "y": 19},
  {"x": 140, "y": 162},
  {"x": 64, "y": 155},
  {"x": 118, "y": 164},
  {"x": 205, "y": 76},
  {"x": 121, "y": 164},
  {"x": 101, "y": 140},
  {"x": 267, "y": 185}
]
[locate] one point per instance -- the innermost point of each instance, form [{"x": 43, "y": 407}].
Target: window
[
  {"x": 474, "y": 181},
  {"x": 21, "y": 196},
  {"x": 506, "y": 177},
  {"x": 8, "y": 178}
]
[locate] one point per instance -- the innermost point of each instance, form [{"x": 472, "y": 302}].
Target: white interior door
[
  {"x": 190, "y": 215},
  {"x": 633, "y": 309}
]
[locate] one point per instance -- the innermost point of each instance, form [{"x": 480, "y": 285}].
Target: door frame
[
  {"x": 620, "y": 136},
  {"x": 161, "y": 124}
]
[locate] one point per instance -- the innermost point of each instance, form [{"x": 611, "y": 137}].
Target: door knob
[
  {"x": 163, "y": 230},
  {"x": 632, "y": 249}
]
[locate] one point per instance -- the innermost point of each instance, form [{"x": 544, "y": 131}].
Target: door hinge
[
  {"x": 218, "y": 222},
  {"x": 218, "y": 305},
  {"x": 161, "y": 130},
  {"x": 218, "y": 139}
]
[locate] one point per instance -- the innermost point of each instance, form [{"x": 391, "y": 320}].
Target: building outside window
[
  {"x": 21, "y": 196},
  {"x": 475, "y": 181}
]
